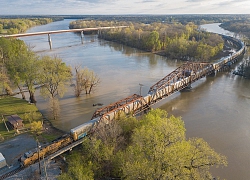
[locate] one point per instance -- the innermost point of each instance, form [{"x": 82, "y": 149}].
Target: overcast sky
[{"x": 92, "y": 7}]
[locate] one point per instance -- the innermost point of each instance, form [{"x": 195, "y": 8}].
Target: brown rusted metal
[
  {"x": 117, "y": 105},
  {"x": 181, "y": 72}
]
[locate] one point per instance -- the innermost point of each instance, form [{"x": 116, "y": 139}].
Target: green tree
[
  {"x": 54, "y": 75},
  {"x": 77, "y": 170},
  {"x": 154, "y": 147},
  {"x": 36, "y": 127},
  {"x": 159, "y": 150},
  {"x": 15, "y": 68},
  {"x": 153, "y": 42},
  {"x": 28, "y": 66},
  {"x": 21, "y": 63}
]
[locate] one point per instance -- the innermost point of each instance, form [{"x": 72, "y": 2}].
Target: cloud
[{"x": 93, "y": 7}]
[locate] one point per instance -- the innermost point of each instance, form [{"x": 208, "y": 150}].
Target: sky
[{"x": 120, "y": 7}]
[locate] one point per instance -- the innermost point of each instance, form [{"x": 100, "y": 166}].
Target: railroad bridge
[{"x": 179, "y": 79}]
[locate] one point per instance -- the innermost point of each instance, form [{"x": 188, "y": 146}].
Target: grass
[{"x": 10, "y": 106}]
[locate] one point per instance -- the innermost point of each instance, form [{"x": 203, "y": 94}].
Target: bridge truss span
[
  {"x": 189, "y": 69},
  {"x": 131, "y": 104}
]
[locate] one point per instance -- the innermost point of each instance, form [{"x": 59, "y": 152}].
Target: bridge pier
[
  {"x": 213, "y": 73},
  {"x": 189, "y": 87},
  {"x": 82, "y": 36},
  {"x": 50, "y": 41}
]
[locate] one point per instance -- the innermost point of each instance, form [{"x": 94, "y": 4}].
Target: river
[{"x": 216, "y": 109}]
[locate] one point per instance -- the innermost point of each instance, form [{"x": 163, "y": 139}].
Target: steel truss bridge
[{"x": 179, "y": 79}]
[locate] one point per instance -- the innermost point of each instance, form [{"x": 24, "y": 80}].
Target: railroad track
[{"x": 11, "y": 173}]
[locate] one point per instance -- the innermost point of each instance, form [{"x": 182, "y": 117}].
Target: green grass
[{"x": 10, "y": 106}]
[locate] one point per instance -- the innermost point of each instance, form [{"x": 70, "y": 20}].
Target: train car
[
  {"x": 82, "y": 130},
  {"x": 33, "y": 155}
]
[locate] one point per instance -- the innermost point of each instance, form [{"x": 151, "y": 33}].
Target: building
[
  {"x": 14, "y": 122},
  {"x": 2, "y": 161}
]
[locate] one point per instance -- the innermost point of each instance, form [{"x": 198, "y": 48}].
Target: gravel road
[{"x": 14, "y": 148}]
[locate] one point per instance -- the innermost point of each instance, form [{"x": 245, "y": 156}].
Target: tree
[
  {"x": 36, "y": 127},
  {"x": 54, "y": 75},
  {"x": 14, "y": 71},
  {"x": 28, "y": 65},
  {"x": 22, "y": 65},
  {"x": 78, "y": 170},
  {"x": 153, "y": 43},
  {"x": 85, "y": 80},
  {"x": 154, "y": 147},
  {"x": 159, "y": 150}
]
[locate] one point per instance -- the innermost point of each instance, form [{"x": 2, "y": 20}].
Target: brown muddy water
[{"x": 216, "y": 109}]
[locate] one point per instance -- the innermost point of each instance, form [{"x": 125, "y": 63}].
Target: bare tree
[{"x": 85, "y": 80}]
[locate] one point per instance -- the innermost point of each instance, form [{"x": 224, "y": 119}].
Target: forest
[
  {"x": 239, "y": 27},
  {"x": 176, "y": 41},
  {"x": 15, "y": 26},
  {"x": 197, "y": 19},
  {"x": 151, "y": 147}
]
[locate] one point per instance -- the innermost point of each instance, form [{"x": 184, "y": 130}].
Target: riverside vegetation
[
  {"x": 154, "y": 147},
  {"x": 175, "y": 41}
]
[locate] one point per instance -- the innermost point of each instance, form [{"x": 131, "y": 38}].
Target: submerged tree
[
  {"x": 85, "y": 80},
  {"x": 54, "y": 75}
]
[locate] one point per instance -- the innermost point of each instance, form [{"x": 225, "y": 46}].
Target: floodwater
[{"x": 216, "y": 109}]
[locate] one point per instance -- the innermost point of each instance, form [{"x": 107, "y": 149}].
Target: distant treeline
[
  {"x": 174, "y": 40},
  {"x": 181, "y": 18},
  {"x": 14, "y": 26},
  {"x": 147, "y": 19},
  {"x": 241, "y": 27}
]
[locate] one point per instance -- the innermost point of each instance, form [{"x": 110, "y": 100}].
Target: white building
[{"x": 2, "y": 161}]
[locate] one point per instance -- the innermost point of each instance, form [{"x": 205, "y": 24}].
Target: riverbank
[
  {"x": 14, "y": 144},
  {"x": 11, "y": 106},
  {"x": 226, "y": 52}
]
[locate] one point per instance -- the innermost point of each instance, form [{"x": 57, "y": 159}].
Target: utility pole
[
  {"x": 38, "y": 147},
  {"x": 44, "y": 161}
]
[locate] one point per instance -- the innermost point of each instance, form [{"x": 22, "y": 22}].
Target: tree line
[
  {"x": 241, "y": 28},
  {"x": 186, "y": 42},
  {"x": 177, "y": 18},
  {"x": 152, "y": 147},
  {"x": 22, "y": 69},
  {"x": 15, "y": 26}
]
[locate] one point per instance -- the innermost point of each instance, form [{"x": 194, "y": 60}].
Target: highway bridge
[{"x": 98, "y": 29}]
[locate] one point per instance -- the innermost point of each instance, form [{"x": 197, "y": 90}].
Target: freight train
[
  {"x": 75, "y": 134},
  {"x": 138, "y": 103}
]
